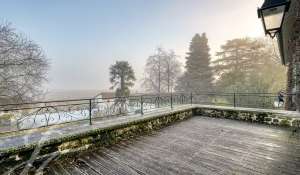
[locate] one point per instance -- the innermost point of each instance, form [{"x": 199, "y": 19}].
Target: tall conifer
[{"x": 198, "y": 75}]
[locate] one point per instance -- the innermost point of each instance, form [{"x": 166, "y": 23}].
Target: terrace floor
[{"x": 199, "y": 145}]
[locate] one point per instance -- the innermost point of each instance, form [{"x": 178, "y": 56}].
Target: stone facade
[
  {"x": 296, "y": 44},
  {"x": 297, "y": 67},
  {"x": 291, "y": 35}
]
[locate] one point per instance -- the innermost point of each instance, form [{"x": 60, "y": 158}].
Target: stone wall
[
  {"x": 297, "y": 56},
  {"x": 295, "y": 47},
  {"x": 250, "y": 116},
  {"x": 291, "y": 52},
  {"x": 96, "y": 138}
]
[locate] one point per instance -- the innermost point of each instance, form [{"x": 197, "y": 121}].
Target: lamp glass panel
[{"x": 273, "y": 17}]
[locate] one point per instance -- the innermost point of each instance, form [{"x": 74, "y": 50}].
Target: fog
[{"x": 83, "y": 38}]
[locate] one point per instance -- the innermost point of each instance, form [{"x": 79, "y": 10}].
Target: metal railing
[
  {"x": 247, "y": 100},
  {"x": 16, "y": 117}
]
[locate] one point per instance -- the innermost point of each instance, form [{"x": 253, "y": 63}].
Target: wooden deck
[{"x": 199, "y": 145}]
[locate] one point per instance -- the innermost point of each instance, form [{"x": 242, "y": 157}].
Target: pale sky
[{"x": 82, "y": 38}]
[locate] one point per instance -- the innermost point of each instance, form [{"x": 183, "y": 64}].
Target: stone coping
[{"x": 289, "y": 114}]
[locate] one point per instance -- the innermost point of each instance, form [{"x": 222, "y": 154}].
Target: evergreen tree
[
  {"x": 198, "y": 75},
  {"x": 234, "y": 63},
  {"x": 249, "y": 66},
  {"x": 122, "y": 78}
]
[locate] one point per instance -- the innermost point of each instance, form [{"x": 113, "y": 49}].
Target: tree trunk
[
  {"x": 168, "y": 77},
  {"x": 122, "y": 84},
  {"x": 159, "y": 74}
]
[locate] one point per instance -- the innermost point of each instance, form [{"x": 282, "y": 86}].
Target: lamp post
[{"x": 272, "y": 14}]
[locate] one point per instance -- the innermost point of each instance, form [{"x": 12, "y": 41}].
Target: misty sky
[{"x": 82, "y": 38}]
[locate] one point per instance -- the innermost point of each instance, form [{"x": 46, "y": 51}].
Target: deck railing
[{"x": 24, "y": 116}]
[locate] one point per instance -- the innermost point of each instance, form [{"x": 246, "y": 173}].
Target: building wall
[
  {"x": 296, "y": 49},
  {"x": 291, "y": 51},
  {"x": 296, "y": 63},
  {"x": 296, "y": 27},
  {"x": 290, "y": 31}
]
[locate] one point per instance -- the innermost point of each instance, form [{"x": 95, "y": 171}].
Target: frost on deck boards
[{"x": 199, "y": 145}]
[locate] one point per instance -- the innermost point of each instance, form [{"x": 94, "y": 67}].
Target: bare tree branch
[{"x": 23, "y": 67}]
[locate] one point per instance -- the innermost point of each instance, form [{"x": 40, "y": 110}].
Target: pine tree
[
  {"x": 198, "y": 75},
  {"x": 235, "y": 63},
  {"x": 122, "y": 78},
  {"x": 246, "y": 65}
]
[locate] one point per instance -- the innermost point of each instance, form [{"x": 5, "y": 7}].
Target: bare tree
[
  {"x": 161, "y": 71},
  {"x": 153, "y": 70},
  {"x": 23, "y": 67},
  {"x": 172, "y": 70}
]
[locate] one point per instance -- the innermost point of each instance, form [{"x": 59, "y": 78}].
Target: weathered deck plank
[{"x": 199, "y": 145}]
